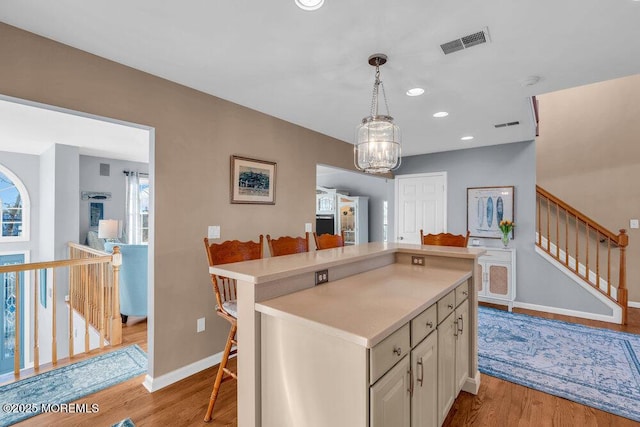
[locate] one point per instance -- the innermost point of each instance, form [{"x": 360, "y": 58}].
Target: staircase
[{"x": 593, "y": 254}]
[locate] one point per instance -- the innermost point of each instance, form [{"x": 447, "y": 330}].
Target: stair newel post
[
  {"x": 623, "y": 241},
  {"x": 116, "y": 321}
]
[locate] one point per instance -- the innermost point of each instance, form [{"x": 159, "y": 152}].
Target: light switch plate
[
  {"x": 634, "y": 223},
  {"x": 213, "y": 232},
  {"x": 308, "y": 227},
  {"x": 200, "y": 325}
]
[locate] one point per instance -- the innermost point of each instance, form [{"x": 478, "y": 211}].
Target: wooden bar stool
[
  {"x": 225, "y": 290},
  {"x": 288, "y": 245},
  {"x": 328, "y": 241},
  {"x": 445, "y": 239}
]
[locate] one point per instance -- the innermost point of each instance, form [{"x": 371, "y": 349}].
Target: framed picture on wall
[
  {"x": 253, "y": 181},
  {"x": 486, "y": 207},
  {"x": 96, "y": 213}
]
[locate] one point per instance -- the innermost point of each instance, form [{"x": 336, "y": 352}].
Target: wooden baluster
[
  {"x": 116, "y": 322},
  {"x": 54, "y": 327},
  {"x": 623, "y": 241},
  {"x": 557, "y": 231},
  {"x": 539, "y": 201},
  {"x": 548, "y": 232},
  {"x": 87, "y": 307},
  {"x": 577, "y": 258},
  {"x": 609, "y": 266},
  {"x": 586, "y": 267},
  {"x": 36, "y": 299},
  {"x": 598, "y": 261},
  {"x": 101, "y": 310},
  {"x": 566, "y": 238},
  {"x": 72, "y": 296},
  {"x": 16, "y": 352}
]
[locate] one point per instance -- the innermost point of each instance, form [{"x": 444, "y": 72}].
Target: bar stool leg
[{"x": 220, "y": 374}]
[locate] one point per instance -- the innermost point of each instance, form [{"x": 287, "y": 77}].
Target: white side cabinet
[{"x": 498, "y": 285}]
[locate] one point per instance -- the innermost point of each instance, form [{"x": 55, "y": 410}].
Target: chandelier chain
[{"x": 376, "y": 93}]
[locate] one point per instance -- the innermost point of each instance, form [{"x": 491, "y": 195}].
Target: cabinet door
[
  {"x": 424, "y": 365},
  {"x": 446, "y": 366},
  {"x": 462, "y": 345},
  {"x": 498, "y": 280},
  {"x": 390, "y": 398}
]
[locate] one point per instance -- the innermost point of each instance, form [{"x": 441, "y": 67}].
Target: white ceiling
[{"x": 310, "y": 68}]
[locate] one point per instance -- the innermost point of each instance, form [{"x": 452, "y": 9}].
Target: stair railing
[
  {"x": 102, "y": 288},
  {"x": 586, "y": 248}
]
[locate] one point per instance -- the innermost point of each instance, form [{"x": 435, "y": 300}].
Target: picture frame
[
  {"x": 253, "y": 181},
  {"x": 486, "y": 207},
  {"x": 96, "y": 213}
]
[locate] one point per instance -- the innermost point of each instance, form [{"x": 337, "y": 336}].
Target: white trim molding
[
  {"x": 154, "y": 384},
  {"x": 615, "y": 317},
  {"x": 633, "y": 304}
]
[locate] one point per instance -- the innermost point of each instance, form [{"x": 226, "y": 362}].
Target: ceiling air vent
[
  {"x": 465, "y": 42},
  {"x": 504, "y": 125}
]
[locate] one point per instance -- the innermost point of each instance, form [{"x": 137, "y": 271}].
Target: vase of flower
[{"x": 506, "y": 226}]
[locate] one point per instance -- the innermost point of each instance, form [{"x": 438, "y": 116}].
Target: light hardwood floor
[{"x": 498, "y": 403}]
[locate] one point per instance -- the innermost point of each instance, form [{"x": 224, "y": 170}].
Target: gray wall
[
  {"x": 377, "y": 188},
  {"x": 91, "y": 180},
  {"x": 503, "y": 165}
]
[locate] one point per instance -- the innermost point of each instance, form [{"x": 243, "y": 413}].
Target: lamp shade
[{"x": 108, "y": 229}]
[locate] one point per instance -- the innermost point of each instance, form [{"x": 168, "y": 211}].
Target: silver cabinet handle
[
  {"x": 450, "y": 306},
  {"x": 455, "y": 329},
  {"x": 421, "y": 372},
  {"x": 430, "y": 325},
  {"x": 397, "y": 350},
  {"x": 410, "y": 378},
  {"x": 401, "y": 238},
  {"x": 465, "y": 293},
  {"x": 460, "y": 324}
]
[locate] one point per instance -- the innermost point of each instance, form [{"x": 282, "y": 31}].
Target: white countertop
[
  {"x": 367, "y": 307},
  {"x": 269, "y": 269}
]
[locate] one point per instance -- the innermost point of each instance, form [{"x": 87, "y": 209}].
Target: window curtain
[{"x": 132, "y": 225}]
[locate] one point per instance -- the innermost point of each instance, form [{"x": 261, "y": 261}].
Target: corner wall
[
  {"x": 537, "y": 282},
  {"x": 195, "y": 135}
]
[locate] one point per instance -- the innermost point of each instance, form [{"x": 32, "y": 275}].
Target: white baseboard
[
  {"x": 472, "y": 385},
  {"x": 155, "y": 384},
  {"x": 567, "y": 312},
  {"x": 633, "y": 304}
]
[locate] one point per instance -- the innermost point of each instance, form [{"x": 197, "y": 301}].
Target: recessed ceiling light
[
  {"x": 416, "y": 91},
  {"x": 309, "y": 4},
  {"x": 441, "y": 114},
  {"x": 467, "y": 138}
]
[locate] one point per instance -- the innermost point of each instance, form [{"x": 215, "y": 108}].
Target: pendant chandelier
[{"x": 377, "y": 149}]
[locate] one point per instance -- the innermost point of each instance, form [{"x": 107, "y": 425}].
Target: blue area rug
[
  {"x": 595, "y": 367},
  {"x": 125, "y": 423},
  {"x": 48, "y": 391}
]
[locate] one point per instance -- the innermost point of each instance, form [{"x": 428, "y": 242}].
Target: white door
[{"x": 420, "y": 204}]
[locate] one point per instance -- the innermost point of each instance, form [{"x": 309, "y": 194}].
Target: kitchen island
[{"x": 303, "y": 348}]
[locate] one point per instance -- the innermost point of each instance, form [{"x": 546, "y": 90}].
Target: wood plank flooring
[{"x": 498, "y": 403}]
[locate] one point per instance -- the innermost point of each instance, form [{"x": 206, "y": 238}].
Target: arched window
[{"x": 14, "y": 208}]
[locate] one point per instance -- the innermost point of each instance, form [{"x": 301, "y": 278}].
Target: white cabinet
[
  {"x": 391, "y": 397},
  {"x": 325, "y": 201},
  {"x": 424, "y": 366},
  {"x": 353, "y": 219},
  {"x": 498, "y": 285},
  {"x": 453, "y": 348}
]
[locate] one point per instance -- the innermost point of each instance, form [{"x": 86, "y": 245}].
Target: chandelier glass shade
[{"x": 378, "y": 138}]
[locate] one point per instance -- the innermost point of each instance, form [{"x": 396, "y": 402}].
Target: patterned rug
[
  {"x": 591, "y": 366},
  {"x": 52, "y": 390},
  {"x": 125, "y": 423}
]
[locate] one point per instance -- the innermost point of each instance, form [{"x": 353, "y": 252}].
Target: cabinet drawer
[
  {"x": 446, "y": 305},
  {"x": 462, "y": 292},
  {"x": 388, "y": 352},
  {"x": 423, "y": 324},
  {"x": 496, "y": 255}
]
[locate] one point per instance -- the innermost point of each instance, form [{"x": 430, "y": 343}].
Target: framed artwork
[
  {"x": 486, "y": 207},
  {"x": 96, "y": 213},
  {"x": 253, "y": 181}
]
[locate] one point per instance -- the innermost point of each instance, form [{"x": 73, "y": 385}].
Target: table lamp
[{"x": 108, "y": 229}]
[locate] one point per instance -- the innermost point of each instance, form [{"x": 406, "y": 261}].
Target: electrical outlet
[
  {"x": 322, "y": 276},
  {"x": 634, "y": 223},
  {"x": 200, "y": 325},
  {"x": 417, "y": 260},
  {"x": 308, "y": 228}
]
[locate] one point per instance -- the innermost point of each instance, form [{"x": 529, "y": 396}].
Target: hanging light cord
[{"x": 374, "y": 100}]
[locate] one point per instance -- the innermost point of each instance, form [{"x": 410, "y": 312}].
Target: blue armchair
[{"x": 133, "y": 279}]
